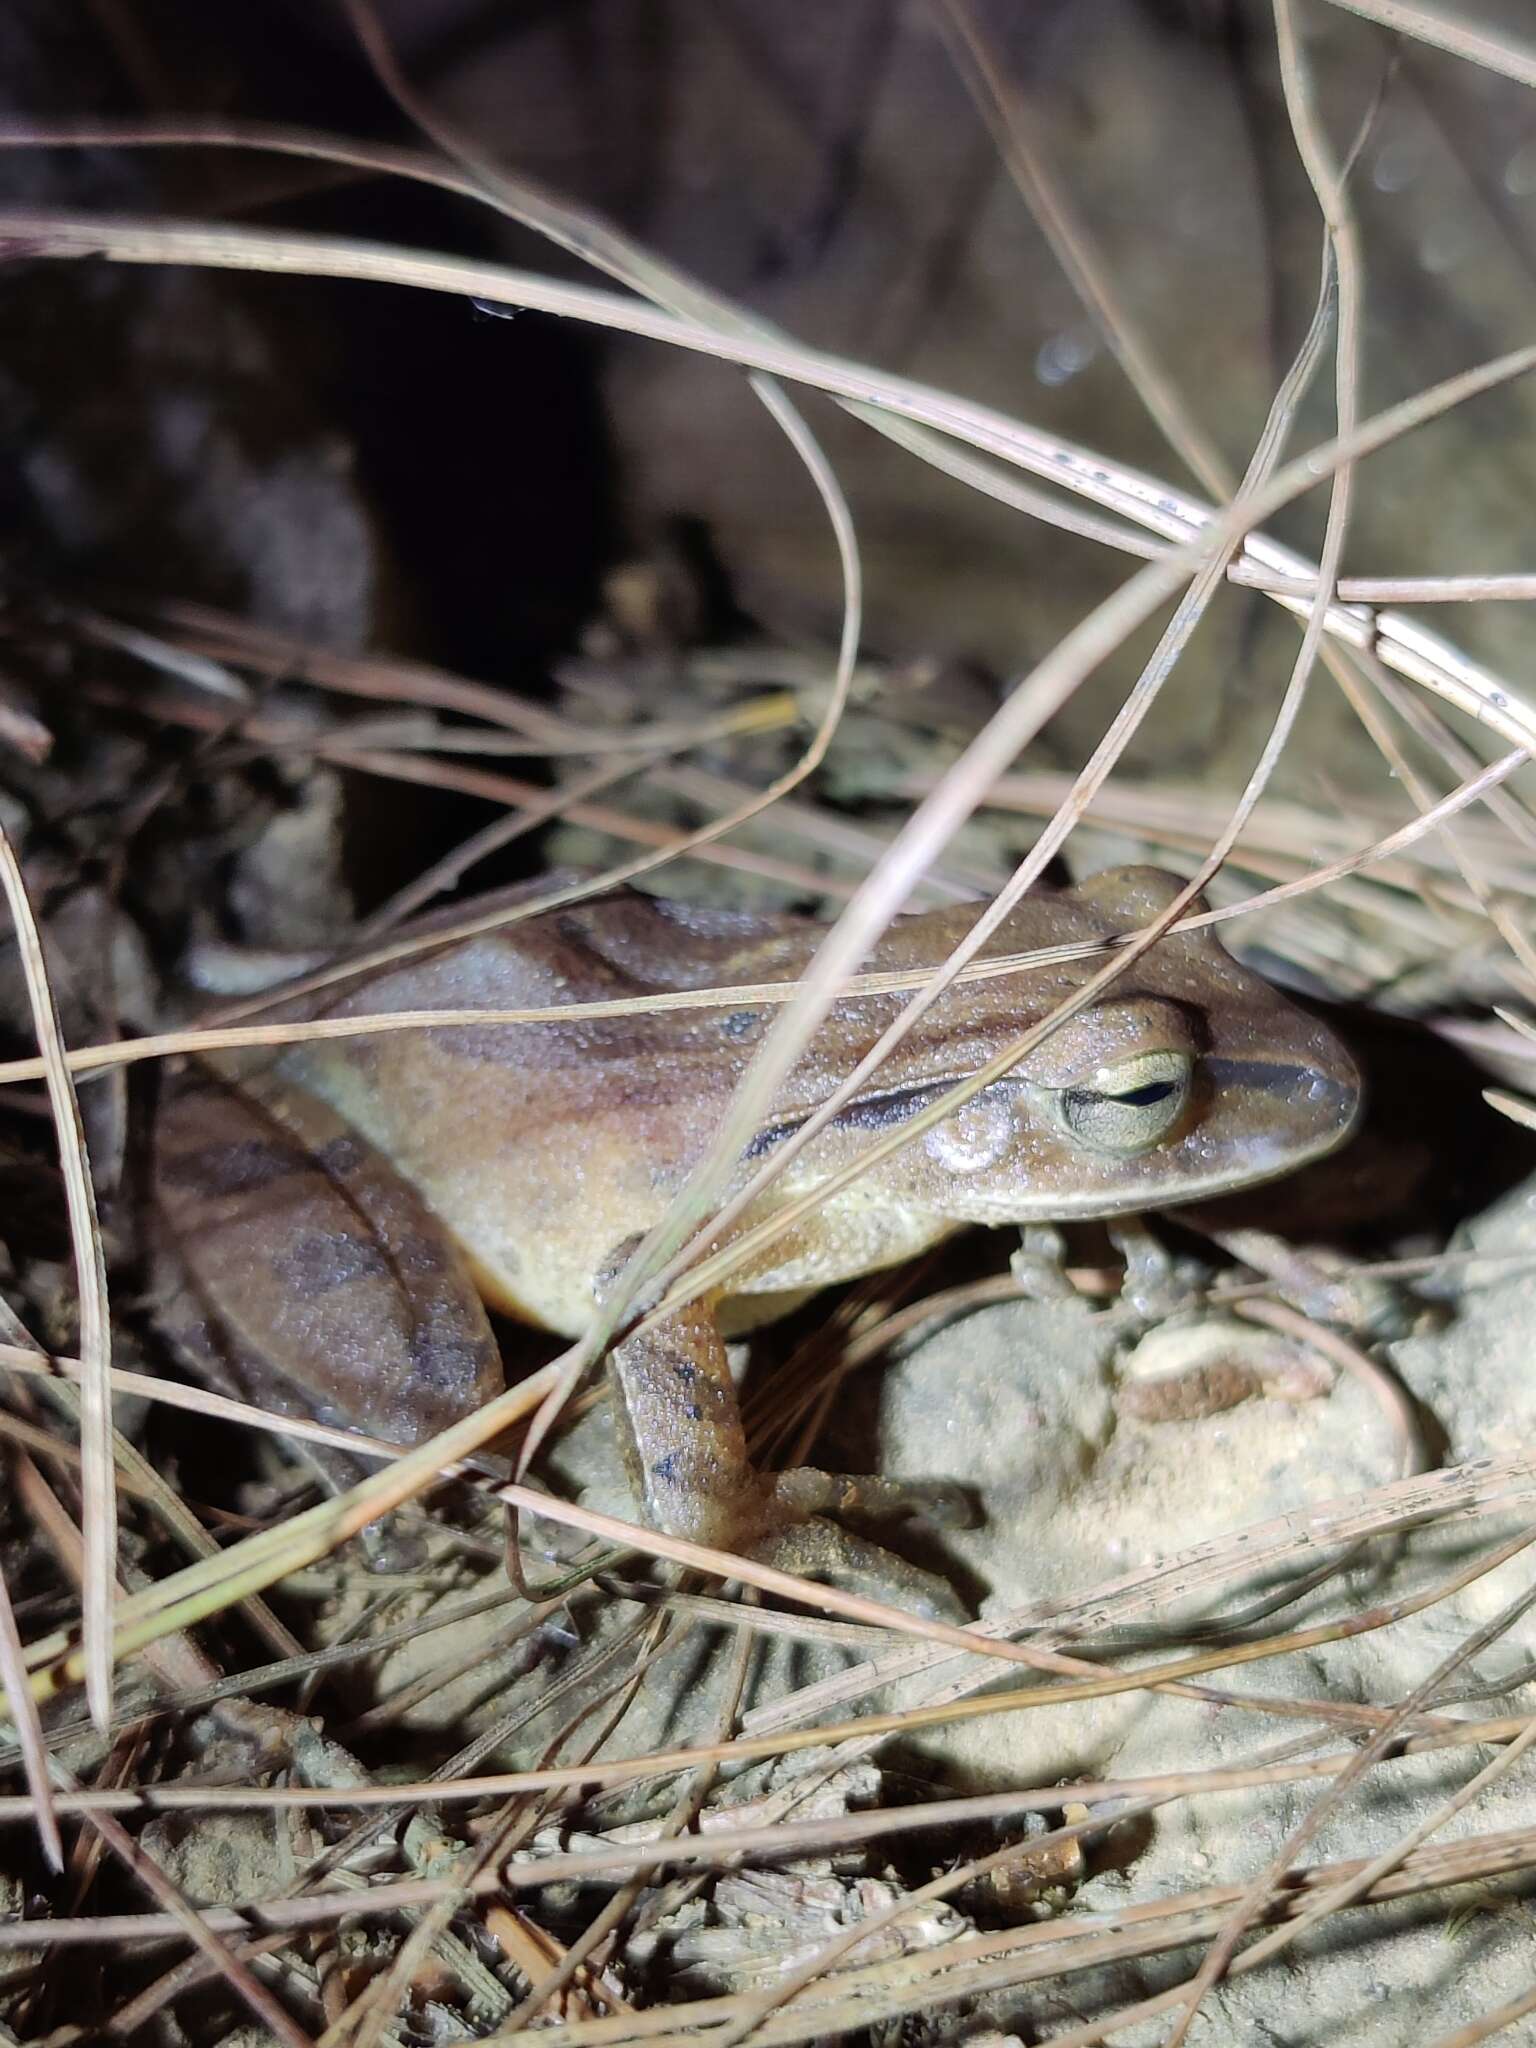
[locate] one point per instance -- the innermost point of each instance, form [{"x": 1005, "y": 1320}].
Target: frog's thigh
[{"x": 334, "y": 1290}]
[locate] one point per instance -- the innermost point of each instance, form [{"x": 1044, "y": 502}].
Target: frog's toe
[
  {"x": 943, "y": 1503},
  {"x": 861, "y": 1497},
  {"x": 818, "y": 1549}
]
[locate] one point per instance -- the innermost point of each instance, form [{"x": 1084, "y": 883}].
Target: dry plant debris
[{"x": 474, "y": 1774}]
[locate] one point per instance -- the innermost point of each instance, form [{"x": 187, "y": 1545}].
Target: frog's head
[{"x": 1189, "y": 1078}]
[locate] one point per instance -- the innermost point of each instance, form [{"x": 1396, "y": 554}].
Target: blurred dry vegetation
[{"x": 326, "y": 593}]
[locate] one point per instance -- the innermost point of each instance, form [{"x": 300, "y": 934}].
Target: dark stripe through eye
[
  {"x": 870, "y": 1113},
  {"x": 1275, "y": 1077}
]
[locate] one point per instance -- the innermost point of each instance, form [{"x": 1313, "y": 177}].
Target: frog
[{"x": 346, "y": 1208}]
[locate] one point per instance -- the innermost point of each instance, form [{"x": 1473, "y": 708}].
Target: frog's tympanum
[{"x": 343, "y": 1210}]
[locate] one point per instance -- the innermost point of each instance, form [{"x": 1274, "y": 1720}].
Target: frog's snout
[
  {"x": 1300, "y": 1104},
  {"x": 1334, "y": 1087},
  {"x": 1327, "y": 1104}
]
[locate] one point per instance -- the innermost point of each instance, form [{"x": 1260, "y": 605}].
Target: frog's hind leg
[
  {"x": 299, "y": 1272},
  {"x": 680, "y": 1432}
]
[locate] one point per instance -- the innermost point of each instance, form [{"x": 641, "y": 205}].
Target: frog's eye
[{"x": 1127, "y": 1106}]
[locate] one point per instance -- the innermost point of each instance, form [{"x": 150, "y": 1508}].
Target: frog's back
[{"x": 546, "y": 1144}]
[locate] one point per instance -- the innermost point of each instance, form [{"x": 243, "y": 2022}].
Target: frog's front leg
[
  {"x": 1040, "y": 1264},
  {"x": 680, "y": 1433},
  {"x": 1157, "y": 1286}
]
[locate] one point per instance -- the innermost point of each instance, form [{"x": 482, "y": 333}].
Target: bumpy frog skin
[{"x": 342, "y": 1212}]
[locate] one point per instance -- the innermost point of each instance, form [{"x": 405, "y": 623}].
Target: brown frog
[{"x": 344, "y": 1208}]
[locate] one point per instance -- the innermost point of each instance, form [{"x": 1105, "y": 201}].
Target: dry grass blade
[
  {"x": 1361, "y": 681},
  {"x": 29, "y": 1733},
  {"x": 1512, "y": 589},
  {"x": 1486, "y": 1489},
  {"x": 1342, "y": 260},
  {"x": 787, "y": 1838},
  {"x": 447, "y": 872},
  {"x": 1013, "y": 131},
  {"x": 1261, "y": 1894},
  {"x": 1445, "y": 32},
  {"x": 1399, "y": 640},
  {"x": 259, "y": 1561},
  {"x": 598, "y": 242},
  {"x": 99, "y": 1488},
  {"x": 223, "y": 1407},
  {"x": 1515, "y": 1107},
  {"x": 1491, "y": 2023},
  {"x": 767, "y": 1579},
  {"x": 186, "y": 1918},
  {"x": 1275, "y": 1547},
  {"x": 13, "y": 1669},
  {"x": 1283, "y": 838},
  {"x": 1392, "y": 1858},
  {"x": 123, "y": 1052},
  {"x": 911, "y": 1984}
]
